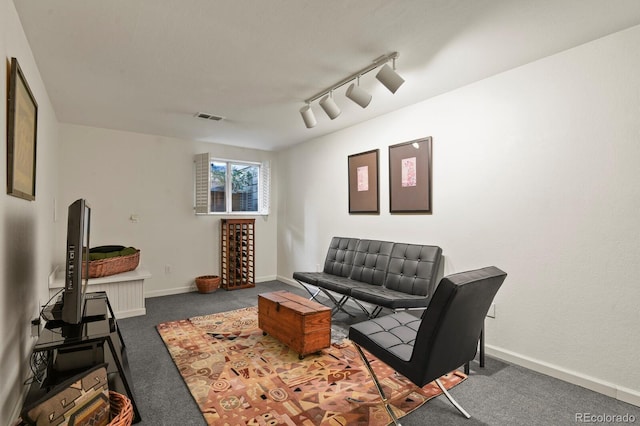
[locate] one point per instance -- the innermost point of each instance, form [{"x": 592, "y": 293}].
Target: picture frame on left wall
[
  {"x": 364, "y": 192},
  {"x": 21, "y": 136}
]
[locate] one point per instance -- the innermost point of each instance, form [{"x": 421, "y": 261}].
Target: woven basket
[
  {"x": 207, "y": 283},
  {"x": 113, "y": 265},
  {"x": 121, "y": 409}
]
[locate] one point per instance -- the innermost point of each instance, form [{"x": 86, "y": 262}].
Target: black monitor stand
[{"x": 73, "y": 348}]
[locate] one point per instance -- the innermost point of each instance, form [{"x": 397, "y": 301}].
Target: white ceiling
[{"x": 148, "y": 66}]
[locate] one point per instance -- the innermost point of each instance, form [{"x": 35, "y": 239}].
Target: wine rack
[{"x": 237, "y": 253}]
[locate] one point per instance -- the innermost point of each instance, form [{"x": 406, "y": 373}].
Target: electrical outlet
[
  {"x": 35, "y": 327},
  {"x": 492, "y": 311}
]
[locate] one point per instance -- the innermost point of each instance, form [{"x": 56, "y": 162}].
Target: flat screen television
[{"x": 76, "y": 277}]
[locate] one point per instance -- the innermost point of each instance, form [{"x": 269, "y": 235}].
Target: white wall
[
  {"x": 26, "y": 227},
  {"x": 536, "y": 171},
  {"x": 124, "y": 173}
]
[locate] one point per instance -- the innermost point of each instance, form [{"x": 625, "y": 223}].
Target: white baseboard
[
  {"x": 266, "y": 278},
  {"x": 170, "y": 291},
  {"x": 190, "y": 288},
  {"x": 130, "y": 313},
  {"x": 629, "y": 396},
  {"x": 612, "y": 390},
  {"x": 286, "y": 280}
]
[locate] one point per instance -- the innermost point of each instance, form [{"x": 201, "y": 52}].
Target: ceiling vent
[{"x": 207, "y": 116}]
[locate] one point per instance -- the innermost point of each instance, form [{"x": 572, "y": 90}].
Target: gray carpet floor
[{"x": 499, "y": 394}]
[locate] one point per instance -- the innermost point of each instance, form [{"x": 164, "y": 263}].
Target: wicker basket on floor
[
  {"x": 113, "y": 265},
  {"x": 121, "y": 409},
  {"x": 207, "y": 283}
]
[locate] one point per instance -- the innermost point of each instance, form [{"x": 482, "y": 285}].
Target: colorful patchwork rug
[{"x": 237, "y": 376}]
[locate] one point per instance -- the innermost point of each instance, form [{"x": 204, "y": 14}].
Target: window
[{"x": 228, "y": 186}]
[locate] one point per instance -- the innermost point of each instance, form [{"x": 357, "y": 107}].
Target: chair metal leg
[
  {"x": 338, "y": 303},
  {"x": 366, "y": 312},
  {"x": 378, "y": 386},
  {"x": 450, "y": 398},
  {"x": 482, "y": 347},
  {"x": 481, "y": 357},
  {"x": 376, "y": 312},
  {"x": 313, "y": 294}
]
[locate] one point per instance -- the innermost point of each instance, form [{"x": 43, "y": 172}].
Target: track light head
[
  {"x": 308, "y": 116},
  {"x": 329, "y": 106},
  {"x": 358, "y": 95},
  {"x": 389, "y": 78}
]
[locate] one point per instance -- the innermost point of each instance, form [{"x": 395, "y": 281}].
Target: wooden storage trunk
[{"x": 300, "y": 323}]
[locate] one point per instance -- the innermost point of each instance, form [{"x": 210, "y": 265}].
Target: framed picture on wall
[
  {"x": 410, "y": 177},
  {"x": 21, "y": 136},
  {"x": 363, "y": 183}
]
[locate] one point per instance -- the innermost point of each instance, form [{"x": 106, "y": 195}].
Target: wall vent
[{"x": 207, "y": 116}]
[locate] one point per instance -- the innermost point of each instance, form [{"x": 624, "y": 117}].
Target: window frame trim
[{"x": 229, "y": 192}]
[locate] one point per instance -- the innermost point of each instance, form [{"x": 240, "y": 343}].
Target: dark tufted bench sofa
[{"x": 381, "y": 273}]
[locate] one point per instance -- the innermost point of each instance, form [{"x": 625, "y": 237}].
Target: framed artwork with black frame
[
  {"x": 21, "y": 136},
  {"x": 410, "y": 168},
  {"x": 364, "y": 193}
]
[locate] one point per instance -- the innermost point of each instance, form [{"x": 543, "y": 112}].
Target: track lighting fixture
[
  {"x": 387, "y": 76},
  {"x": 308, "y": 116},
  {"x": 358, "y": 95},
  {"x": 329, "y": 106}
]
